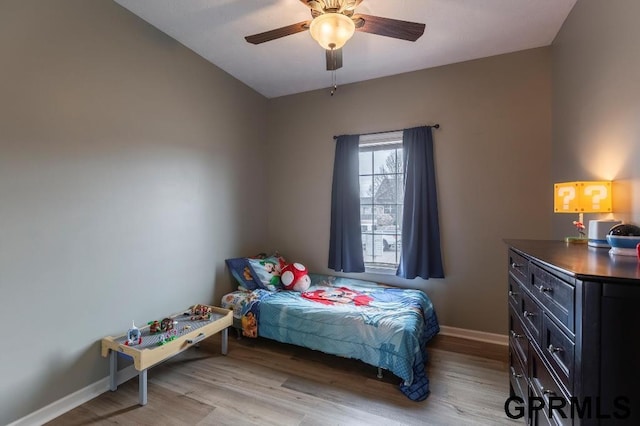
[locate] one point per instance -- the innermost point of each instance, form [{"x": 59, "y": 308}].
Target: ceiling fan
[{"x": 333, "y": 24}]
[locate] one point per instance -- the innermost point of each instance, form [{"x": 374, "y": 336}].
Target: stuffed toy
[{"x": 295, "y": 277}]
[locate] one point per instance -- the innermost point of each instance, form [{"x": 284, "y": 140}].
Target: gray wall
[
  {"x": 130, "y": 168},
  {"x": 596, "y": 103},
  {"x": 492, "y": 159}
]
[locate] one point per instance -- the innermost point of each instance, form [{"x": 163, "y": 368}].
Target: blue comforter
[{"x": 382, "y": 326}]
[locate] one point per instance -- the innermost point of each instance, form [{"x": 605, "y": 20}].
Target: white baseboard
[
  {"x": 71, "y": 401},
  {"x": 497, "y": 339}
]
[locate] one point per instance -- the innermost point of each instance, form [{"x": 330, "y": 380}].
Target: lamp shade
[
  {"x": 332, "y": 30},
  {"x": 582, "y": 197}
]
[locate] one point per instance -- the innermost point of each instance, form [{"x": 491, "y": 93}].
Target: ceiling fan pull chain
[{"x": 334, "y": 81}]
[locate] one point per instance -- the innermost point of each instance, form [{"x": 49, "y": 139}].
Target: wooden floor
[{"x": 261, "y": 382}]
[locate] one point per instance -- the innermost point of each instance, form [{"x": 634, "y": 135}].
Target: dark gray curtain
[
  {"x": 421, "y": 255},
  {"x": 345, "y": 241}
]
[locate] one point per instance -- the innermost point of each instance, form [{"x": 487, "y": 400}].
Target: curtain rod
[{"x": 436, "y": 126}]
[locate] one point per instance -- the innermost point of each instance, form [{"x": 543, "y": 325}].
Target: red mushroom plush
[{"x": 295, "y": 277}]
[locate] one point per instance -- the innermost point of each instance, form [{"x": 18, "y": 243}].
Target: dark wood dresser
[{"x": 574, "y": 334}]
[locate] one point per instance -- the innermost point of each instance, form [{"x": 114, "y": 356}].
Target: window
[
  {"x": 381, "y": 199},
  {"x": 369, "y": 209}
]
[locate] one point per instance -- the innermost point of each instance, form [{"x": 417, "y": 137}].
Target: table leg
[
  {"x": 225, "y": 340},
  {"x": 142, "y": 387},
  {"x": 113, "y": 370}
]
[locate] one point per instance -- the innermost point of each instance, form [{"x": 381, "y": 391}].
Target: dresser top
[{"x": 579, "y": 260}]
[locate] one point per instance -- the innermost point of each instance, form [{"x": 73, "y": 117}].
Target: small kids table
[{"x": 188, "y": 329}]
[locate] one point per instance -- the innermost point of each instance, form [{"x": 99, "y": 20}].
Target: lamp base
[
  {"x": 599, "y": 243},
  {"x": 576, "y": 240}
]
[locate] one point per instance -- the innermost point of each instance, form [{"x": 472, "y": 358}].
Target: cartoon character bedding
[{"x": 383, "y": 326}]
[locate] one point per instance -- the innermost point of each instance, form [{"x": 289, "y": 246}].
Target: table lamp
[{"x": 580, "y": 198}]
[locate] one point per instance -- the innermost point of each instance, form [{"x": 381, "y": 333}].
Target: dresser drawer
[
  {"x": 558, "y": 349},
  {"x": 542, "y": 418},
  {"x": 514, "y": 292},
  {"x": 517, "y": 338},
  {"x": 519, "y": 266},
  {"x": 555, "y": 294},
  {"x": 544, "y": 386},
  {"x": 518, "y": 377},
  {"x": 531, "y": 316}
]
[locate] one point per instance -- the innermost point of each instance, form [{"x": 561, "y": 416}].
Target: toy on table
[
  {"x": 167, "y": 337},
  {"x": 295, "y": 277},
  {"x": 134, "y": 337},
  {"x": 200, "y": 312},
  {"x": 167, "y": 324},
  {"x": 154, "y": 326}
]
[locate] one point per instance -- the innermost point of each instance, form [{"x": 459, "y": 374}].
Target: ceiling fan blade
[
  {"x": 334, "y": 59},
  {"x": 395, "y": 28},
  {"x": 278, "y": 33}
]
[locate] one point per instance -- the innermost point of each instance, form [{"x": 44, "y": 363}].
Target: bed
[{"x": 383, "y": 326}]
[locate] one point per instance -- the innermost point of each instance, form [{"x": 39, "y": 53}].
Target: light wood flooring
[{"x": 261, "y": 382}]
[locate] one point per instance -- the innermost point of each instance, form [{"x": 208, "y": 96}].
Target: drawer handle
[
  {"x": 515, "y": 265},
  {"x": 543, "y": 289},
  {"x": 200, "y": 337},
  {"x": 514, "y": 374},
  {"x": 516, "y": 335},
  {"x": 554, "y": 349},
  {"x": 512, "y": 293},
  {"x": 547, "y": 392},
  {"x": 528, "y": 314}
]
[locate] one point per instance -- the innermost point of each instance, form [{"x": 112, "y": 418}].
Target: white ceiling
[{"x": 456, "y": 30}]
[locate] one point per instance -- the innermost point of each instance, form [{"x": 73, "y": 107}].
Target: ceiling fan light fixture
[{"x": 332, "y": 30}]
